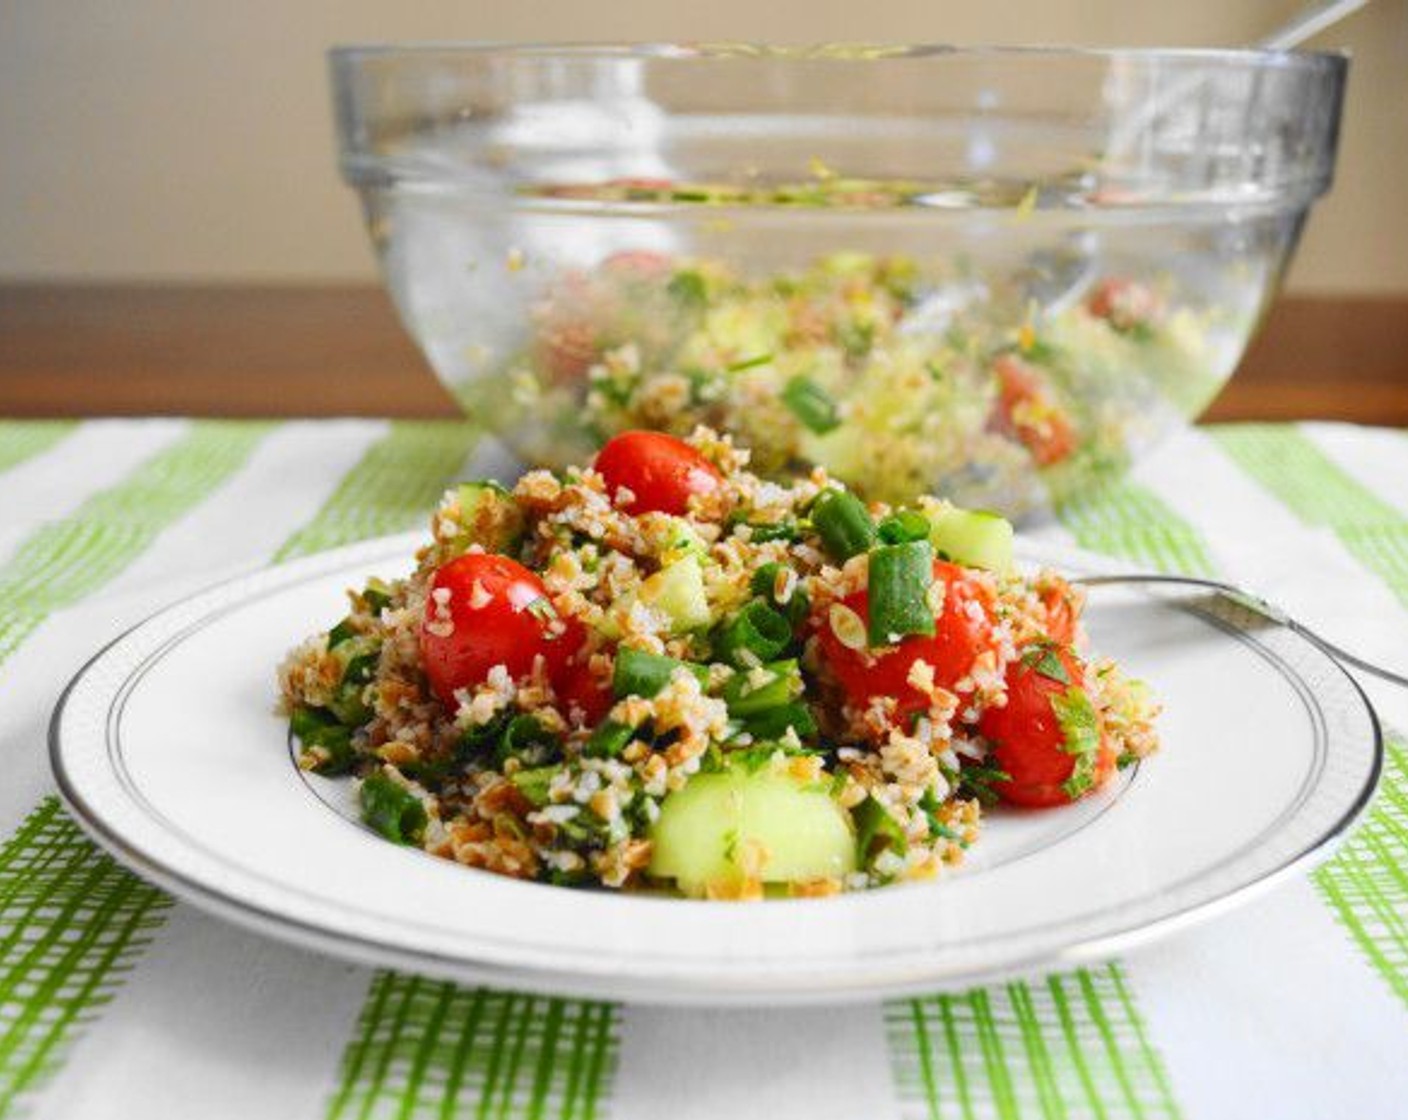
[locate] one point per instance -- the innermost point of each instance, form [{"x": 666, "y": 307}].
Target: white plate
[{"x": 167, "y": 749}]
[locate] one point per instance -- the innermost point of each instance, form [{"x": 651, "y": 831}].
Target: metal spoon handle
[
  {"x": 1314, "y": 19},
  {"x": 1342, "y": 654},
  {"x": 1257, "y": 605}
]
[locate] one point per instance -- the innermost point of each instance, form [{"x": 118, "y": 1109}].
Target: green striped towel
[{"x": 115, "y": 1002}]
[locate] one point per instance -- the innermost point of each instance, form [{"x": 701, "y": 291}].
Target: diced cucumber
[
  {"x": 973, "y": 537},
  {"x": 681, "y": 541},
  {"x": 678, "y": 590},
  {"x": 786, "y": 829},
  {"x": 489, "y": 517}
]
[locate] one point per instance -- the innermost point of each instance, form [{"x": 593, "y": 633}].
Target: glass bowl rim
[{"x": 833, "y": 54}]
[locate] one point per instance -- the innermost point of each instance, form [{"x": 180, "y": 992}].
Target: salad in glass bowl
[
  {"x": 999, "y": 274},
  {"x": 856, "y": 363}
]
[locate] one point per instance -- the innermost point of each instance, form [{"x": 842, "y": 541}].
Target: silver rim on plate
[{"x": 87, "y": 754}]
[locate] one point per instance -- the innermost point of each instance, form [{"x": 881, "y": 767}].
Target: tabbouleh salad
[
  {"x": 895, "y": 381},
  {"x": 664, "y": 672}
]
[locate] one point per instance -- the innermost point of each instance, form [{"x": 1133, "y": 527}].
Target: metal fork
[{"x": 1253, "y": 603}]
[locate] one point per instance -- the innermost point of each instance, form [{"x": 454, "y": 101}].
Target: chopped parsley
[
  {"x": 977, "y": 781},
  {"x": 1080, "y": 728},
  {"x": 1043, "y": 658}
]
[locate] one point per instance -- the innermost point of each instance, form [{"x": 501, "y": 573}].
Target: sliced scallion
[
  {"x": 900, "y": 575},
  {"x": 843, "y": 523},
  {"x": 638, "y": 673},
  {"x": 608, "y": 740},
  {"x": 759, "y": 690},
  {"x": 811, "y": 404},
  {"x": 777, "y": 531},
  {"x": 902, "y": 526},
  {"x": 776, "y": 722},
  {"x": 764, "y": 583},
  {"x": 755, "y": 634}
]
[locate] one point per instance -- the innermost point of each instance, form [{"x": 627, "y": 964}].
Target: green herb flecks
[
  {"x": 1043, "y": 658},
  {"x": 1080, "y": 728},
  {"x": 977, "y": 781}
]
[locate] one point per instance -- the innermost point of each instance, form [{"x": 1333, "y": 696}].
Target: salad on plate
[{"x": 664, "y": 672}]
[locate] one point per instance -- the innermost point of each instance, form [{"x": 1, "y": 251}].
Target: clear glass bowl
[{"x": 993, "y": 274}]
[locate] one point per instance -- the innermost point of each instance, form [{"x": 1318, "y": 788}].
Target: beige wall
[{"x": 158, "y": 139}]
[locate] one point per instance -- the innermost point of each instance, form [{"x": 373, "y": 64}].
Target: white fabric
[{"x": 1272, "y": 1011}]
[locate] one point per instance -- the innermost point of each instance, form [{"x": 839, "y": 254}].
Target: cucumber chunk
[
  {"x": 972, "y": 537},
  {"x": 785, "y": 829},
  {"x": 678, "y": 590},
  {"x": 680, "y": 541},
  {"x": 489, "y": 517}
]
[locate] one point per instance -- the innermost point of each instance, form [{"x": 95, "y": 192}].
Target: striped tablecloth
[{"x": 117, "y": 1002}]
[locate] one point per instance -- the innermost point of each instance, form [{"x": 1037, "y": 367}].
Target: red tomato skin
[
  {"x": 580, "y": 689},
  {"x": 1052, "y": 440},
  {"x": 660, "y": 471},
  {"x": 1123, "y": 303},
  {"x": 1028, "y": 743},
  {"x": 957, "y": 641},
  {"x": 501, "y": 631},
  {"x": 566, "y": 350}
]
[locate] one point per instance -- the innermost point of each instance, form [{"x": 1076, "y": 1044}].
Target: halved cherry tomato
[
  {"x": 499, "y": 614},
  {"x": 960, "y": 635},
  {"x": 1124, "y": 303},
  {"x": 660, "y": 471},
  {"x": 1028, "y": 741},
  {"x": 567, "y": 349},
  {"x": 581, "y": 690},
  {"x": 1028, "y": 411}
]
